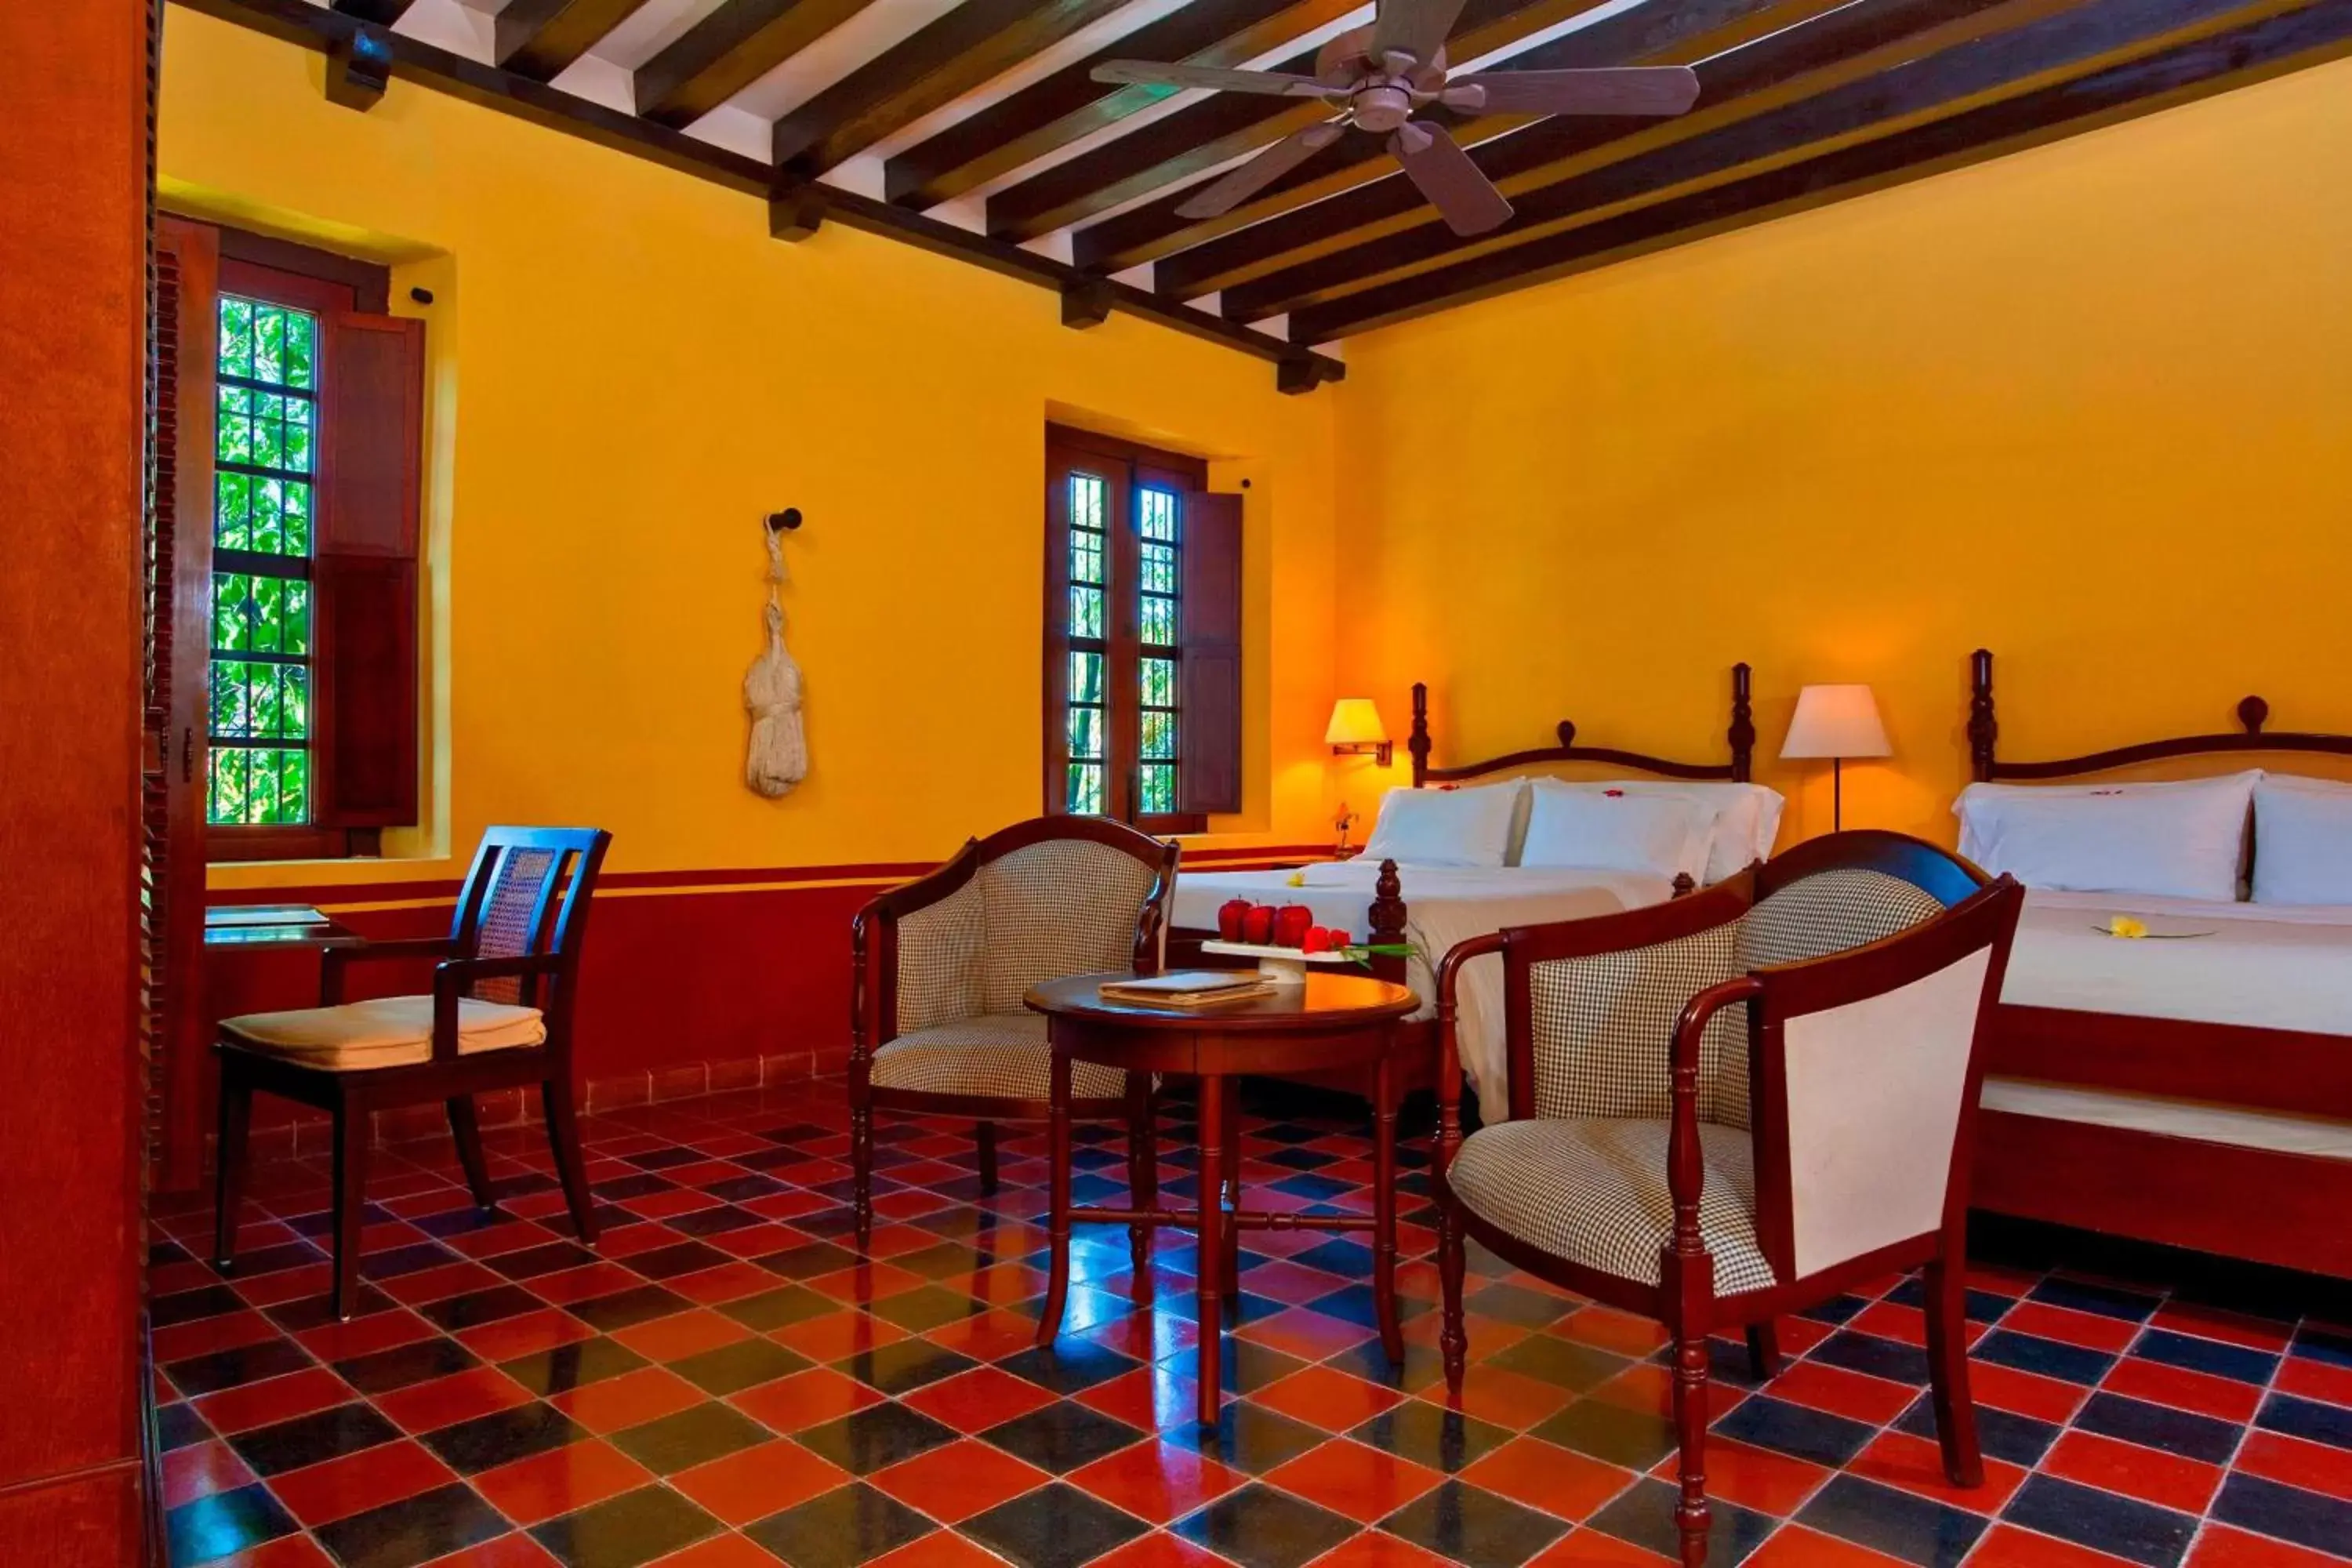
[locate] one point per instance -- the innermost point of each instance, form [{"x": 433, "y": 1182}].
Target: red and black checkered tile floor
[{"x": 724, "y": 1381}]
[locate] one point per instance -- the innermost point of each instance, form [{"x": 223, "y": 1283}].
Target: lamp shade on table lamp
[{"x": 1836, "y": 722}]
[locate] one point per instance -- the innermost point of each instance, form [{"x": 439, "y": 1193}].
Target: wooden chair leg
[
  {"x": 1143, "y": 1167},
  {"x": 1453, "y": 1341},
  {"x": 466, "y": 1129},
  {"x": 1947, "y": 1370},
  {"x": 1763, "y": 1351},
  {"x": 984, "y": 1136},
  {"x": 228, "y": 1189},
  {"x": 564, "y": 1138},
  {"x": 861, "y": 1168},
  {"x": 350, "y": 1203},
  {"x": 1687, "y": 1281}
]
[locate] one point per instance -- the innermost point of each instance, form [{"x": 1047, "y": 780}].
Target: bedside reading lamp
[
  {"x": 1836, "y": 722},
  {"x": 1357, "y": 729}
]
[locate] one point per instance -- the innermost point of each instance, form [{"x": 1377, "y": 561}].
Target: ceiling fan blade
[
  {"x": 1629, "y": 90},
  {"x": 1275, "y": 84},
  {"x": 1224, "y": 196},
  {"x": 1419, "y": 27},
  {"x": 1460, "y": 191}
]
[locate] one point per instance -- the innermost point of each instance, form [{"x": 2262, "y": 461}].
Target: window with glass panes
[
  {"x": 1115, "y": 724},
  {"x": 265, "y": 476}
]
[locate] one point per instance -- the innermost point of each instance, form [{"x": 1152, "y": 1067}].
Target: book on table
[{"x": 1186, "y": 988}]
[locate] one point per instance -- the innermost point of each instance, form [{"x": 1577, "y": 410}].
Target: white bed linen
[
  {"x": 2267, "y": 966},
  {"x": 1444, "y": 905},
  {"x": 2173, "y": 1118}
]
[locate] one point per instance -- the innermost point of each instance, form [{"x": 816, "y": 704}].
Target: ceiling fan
[{"x": 1378, "y": 77}]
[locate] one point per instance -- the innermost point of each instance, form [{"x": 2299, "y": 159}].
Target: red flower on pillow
[{"x": 1614, "y": 794}]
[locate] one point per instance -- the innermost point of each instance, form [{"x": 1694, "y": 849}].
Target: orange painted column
[{"x": 73, "y": 174}]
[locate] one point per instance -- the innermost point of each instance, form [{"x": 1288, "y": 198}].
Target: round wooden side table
[{"x": 1331, "y": 1021}]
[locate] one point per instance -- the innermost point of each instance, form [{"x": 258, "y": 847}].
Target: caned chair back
[
  {"x": 527, "y": 894},
  {"x": 1036, "y": 901},
  {"x": 1868, "y": 1063}
]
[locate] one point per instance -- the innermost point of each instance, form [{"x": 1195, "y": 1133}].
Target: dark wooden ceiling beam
[
  {"x": 973, "y": 43},
  {"x": 728, "y": 50},
  {"x": 1070, "y": 104},
  {"x": 2307, "y": 35},
  {"x": 382, "y": 13},
  {"x": 488, "y": 87},
  {"x": 1199, "y": 137},
  {"x": 1647, "y": 34},
  {"x": 1731, "y": 86},
  {"x": 541, "y": 38},
  {"x": 2008, "y": 49}
]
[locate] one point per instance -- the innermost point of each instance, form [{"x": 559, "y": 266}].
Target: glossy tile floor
[{"x": 725, "y": 1382}]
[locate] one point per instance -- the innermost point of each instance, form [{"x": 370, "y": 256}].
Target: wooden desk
[{"x": 1333, "y": 1021}]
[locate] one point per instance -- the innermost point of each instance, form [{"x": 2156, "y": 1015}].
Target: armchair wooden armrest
[
  {"x": 453, "y": 976},
  {"x": 874, "y": 947},
  {"x": 1449, "y": 1045},
  {"x": 1686, "y": 1165},
  {"x": 335, "y": 960}
]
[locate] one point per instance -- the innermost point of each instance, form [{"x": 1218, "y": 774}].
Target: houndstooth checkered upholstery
[
  {"x": 1594, "y": 1192},
  {"x": 1603, "y": 1030},
  {"x": 1001, "y": 1056},
  {"x": 939, "y": 960},
  {"x": 506, "y": 918},
  {"x": 1828, "y": 913},
  {"x": 1064, "y": 906}
]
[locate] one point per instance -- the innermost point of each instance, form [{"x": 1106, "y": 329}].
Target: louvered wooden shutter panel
[
  {"x": 1210, "y": 778},
  {"x": 363, "y": 573}
]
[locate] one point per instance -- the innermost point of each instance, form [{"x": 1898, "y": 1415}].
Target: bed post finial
[
  {"x": 2254, "y": 713},
  {"x": 1419, "y": 742},
  {"x": 1386, "y": 919},
  {"x": 1743, "y": 725},
  {"x": 1983, "y": 729}
]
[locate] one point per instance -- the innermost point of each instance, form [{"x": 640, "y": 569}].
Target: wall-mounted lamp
[
  {"x": 1836, "y": 722},
  {"x": 1357, "y": 729}
]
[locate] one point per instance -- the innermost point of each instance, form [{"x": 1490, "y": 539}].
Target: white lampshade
[
  {"x": 1356, "y": 721},
  {"x": 1836, "y": 722}
]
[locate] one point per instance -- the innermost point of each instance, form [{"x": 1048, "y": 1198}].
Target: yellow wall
[
  {"x": 629, "y": 374},
  {"x": 2090, "y": 405}
]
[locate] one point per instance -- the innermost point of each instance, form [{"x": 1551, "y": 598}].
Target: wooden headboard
[
  {"x": 1984, "y": 731},
  {"x": 1741, "y": 734}
]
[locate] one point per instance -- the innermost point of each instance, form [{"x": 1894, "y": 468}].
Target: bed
[
  {"x": 1386, "y": 901},
  {"x": 2193, "y": 1089}
]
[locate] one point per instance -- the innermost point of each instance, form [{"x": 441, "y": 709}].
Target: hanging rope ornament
[{"x": 771, "y": 693}]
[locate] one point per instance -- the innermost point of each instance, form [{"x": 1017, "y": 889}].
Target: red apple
[
  {"x": 1318, "y": 939},
  {"x": 1290, "y": 924},
  {"x": 1230, "y": 915},
  {"x": 1257, "y": 925}
]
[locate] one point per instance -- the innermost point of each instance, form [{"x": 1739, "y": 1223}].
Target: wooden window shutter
[
  {"x": 1210, "y": 776},
  {"x": 363, "y": 569}
]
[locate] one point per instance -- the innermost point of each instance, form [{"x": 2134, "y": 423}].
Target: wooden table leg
[
  {"x": 1057, "y": 1161},
  {"x": 1384, "y": 1207},
  {"x": 1232, "y": 1188},
  {"x": 1210, "y": 1266}
]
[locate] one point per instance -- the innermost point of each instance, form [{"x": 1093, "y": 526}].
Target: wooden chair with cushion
[
  {"x": 941, "y": 965},
  {"x": 499, "y": 1017},
  {"x": 1735, "y": 1105}
]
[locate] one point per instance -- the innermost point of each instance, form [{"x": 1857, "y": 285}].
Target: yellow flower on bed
[
  {"x": 2125, "y": 926},
  {"x": 1296, "y": 879}
]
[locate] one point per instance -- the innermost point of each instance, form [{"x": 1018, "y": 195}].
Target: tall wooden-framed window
[
  {"x": 1142, "y": 636},
  {"x": 292, "y": 403}
]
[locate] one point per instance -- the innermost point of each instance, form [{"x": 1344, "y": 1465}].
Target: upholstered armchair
[
  {"x": 1732, "y": 1106},
  {"x": 941, "y": 965}
]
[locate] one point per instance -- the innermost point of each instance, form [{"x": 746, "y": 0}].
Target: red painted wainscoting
[{"x": 692, "y": 981}]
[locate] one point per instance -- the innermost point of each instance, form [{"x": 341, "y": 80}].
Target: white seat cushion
[
  {"x": 1593, "y": 1190},
  {"x": 999, "y": 1055},
  {"x": 388, "y": 1031}
]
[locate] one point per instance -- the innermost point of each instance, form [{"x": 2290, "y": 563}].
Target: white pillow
[
  {"x": 1746, "y": 817},
  {"x": 2167, "y": 840},
  {"x": 2303, "y": 841},
  {"x": 1446, "y": 827},
  {"x": 1616, "y": 830}
]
